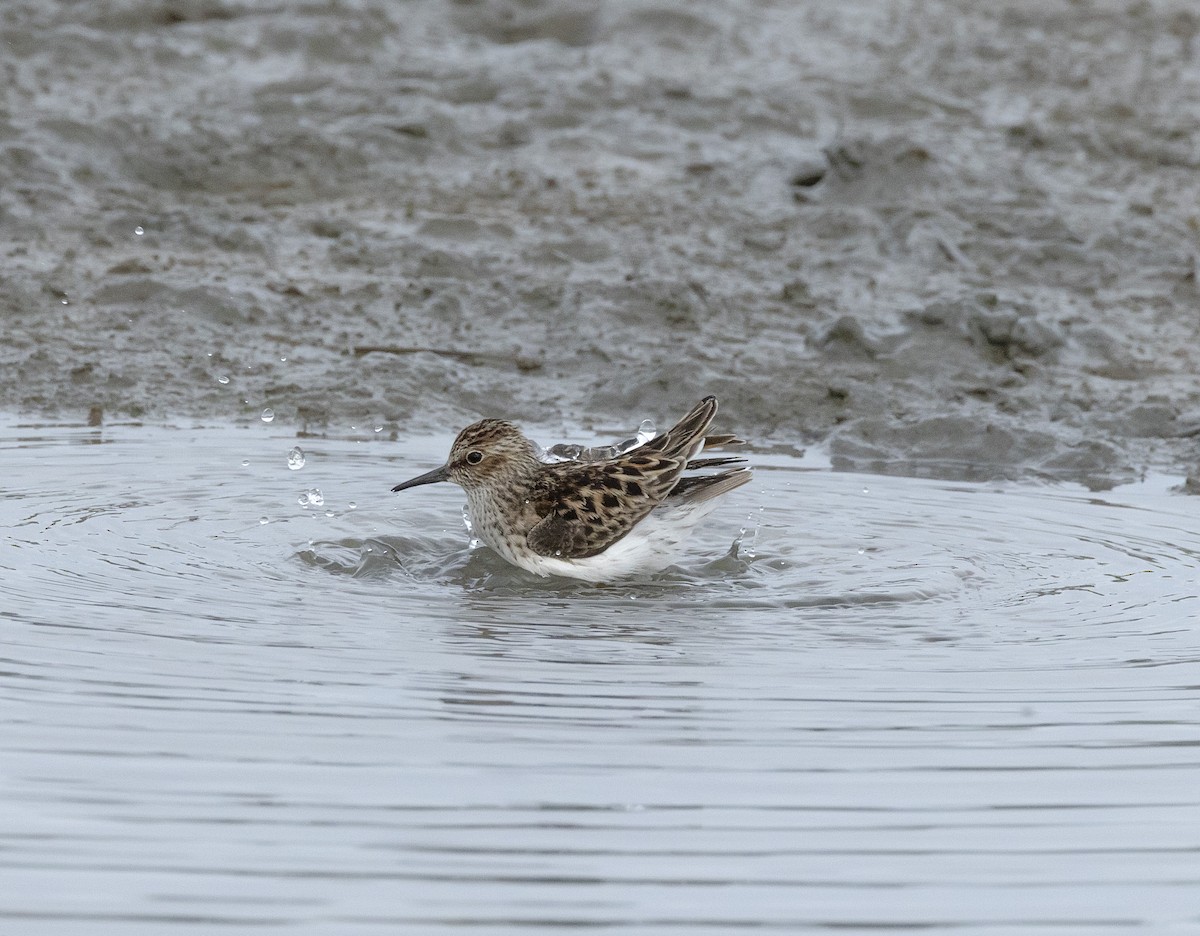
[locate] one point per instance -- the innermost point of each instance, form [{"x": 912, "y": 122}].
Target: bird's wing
[
  {"x": 585, "y": 508},
  {"x": 684, "y": 438}
]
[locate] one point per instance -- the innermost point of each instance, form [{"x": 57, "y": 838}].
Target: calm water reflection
[{"x": 914, "y": 706}]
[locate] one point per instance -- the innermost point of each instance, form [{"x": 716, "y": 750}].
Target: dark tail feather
[
  {"x": 706, "y": 487},
  {"x": 713, "y": 463},
  {"x": 682, "y": 439}
]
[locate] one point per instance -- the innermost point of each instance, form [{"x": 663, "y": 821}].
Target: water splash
[
  {"x": 750, "y": 544},
  {"x": 745, "y": 545},
  {"x": 295, "y": 458},
  {"x": 473, "y": 541},
  {"x": 563, "y": 451}
]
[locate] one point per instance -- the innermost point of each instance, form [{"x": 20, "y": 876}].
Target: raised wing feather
[{"x": 587, "y": 508}]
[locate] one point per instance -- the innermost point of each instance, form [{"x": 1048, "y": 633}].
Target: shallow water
[{"x": 903, "y": 704}]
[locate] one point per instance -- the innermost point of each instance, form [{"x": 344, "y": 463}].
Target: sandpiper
[{"x": 595, "y": 520}]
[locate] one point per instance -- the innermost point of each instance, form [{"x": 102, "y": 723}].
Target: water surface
[{"x": 899, "y": 704}]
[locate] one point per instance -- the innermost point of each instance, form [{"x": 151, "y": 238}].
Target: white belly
[{"x": 650, "y": 546}]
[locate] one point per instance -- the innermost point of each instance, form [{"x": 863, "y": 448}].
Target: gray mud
[{"x": 942, "y": 238}]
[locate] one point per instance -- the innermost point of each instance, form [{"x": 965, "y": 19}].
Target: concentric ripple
[{"x": 231, "y": 704}]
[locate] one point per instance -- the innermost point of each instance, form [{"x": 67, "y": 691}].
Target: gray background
[{"x": 947, "y": 238}]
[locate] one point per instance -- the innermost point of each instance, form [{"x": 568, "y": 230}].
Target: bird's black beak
[{"x": 430, "y": 477}]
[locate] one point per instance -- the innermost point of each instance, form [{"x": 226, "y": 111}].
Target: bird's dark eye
[{"x": 474, "y": 458}]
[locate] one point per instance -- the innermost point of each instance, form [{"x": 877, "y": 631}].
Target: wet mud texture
[{"x": 945, "y": 238}]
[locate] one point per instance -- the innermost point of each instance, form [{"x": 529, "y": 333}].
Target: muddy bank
[{"x": 943, "y": 241}]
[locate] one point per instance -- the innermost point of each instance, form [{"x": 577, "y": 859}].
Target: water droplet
[
  {"x": 222, "y": 379},
  {"x": 313, "y": 498},
  {"x": 245, "y": 463},
  {"x": 268, "y": 414},
  {"x": 558, "y": 552},
  {"x": 379, "y": 428},
  {"x": 749, "y": 543},
  {"x": 295, "y": 459},
  {"x": 328, "y": 513},
  {"x": 139, "y": 230},
  {"x": 283, "y": 360},
  {"x": 263, "y": 521},
  {"x": 866, "y": 490},
  {"x": 64, "y": 302},
  {"x": 473, "y": 541},
  {"x": 352, "y": 505}
]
